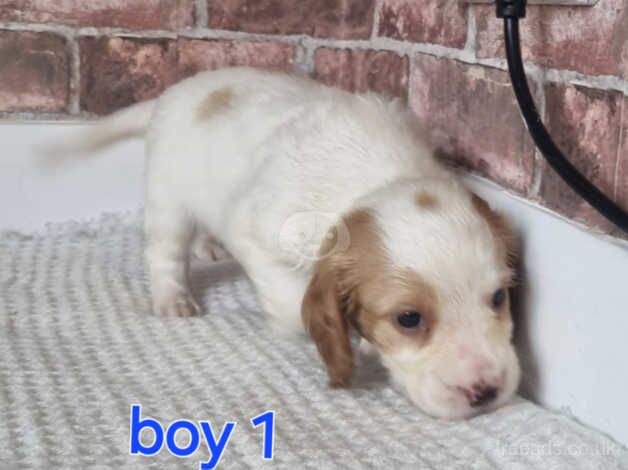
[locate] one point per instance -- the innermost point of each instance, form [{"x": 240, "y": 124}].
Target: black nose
[{"x": 482, "y": 395}]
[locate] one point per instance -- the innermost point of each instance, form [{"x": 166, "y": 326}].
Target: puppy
[{"x": 342, "y": 219}]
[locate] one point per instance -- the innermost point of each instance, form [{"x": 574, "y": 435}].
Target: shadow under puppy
[{"x": 342, "y": 219}]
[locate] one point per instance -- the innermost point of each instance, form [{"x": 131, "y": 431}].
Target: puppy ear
[
  {"x": 324, "y": 317},
  {"x": 500, "y": 227}
]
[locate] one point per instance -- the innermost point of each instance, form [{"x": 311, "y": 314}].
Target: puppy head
[{"x": 425, "y": 280}]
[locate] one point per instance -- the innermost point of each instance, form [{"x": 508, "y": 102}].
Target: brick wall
[{"x": 85, "y": 57}]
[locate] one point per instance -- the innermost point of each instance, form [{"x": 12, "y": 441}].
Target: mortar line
[
  {"x": 303, "y": 59},
  {"x": 619, "y": 148},
  {"x": 74, "y": 88},
  {"x": 377, "y": 9},
  {"x": 601, "y": 82},
  {"x": 472, "y": 29},
  {"x": 201, "y": 14},
  {"x": 539, "y": 161}
]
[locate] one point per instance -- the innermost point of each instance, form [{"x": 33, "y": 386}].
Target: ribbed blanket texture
[{"x": 79, "y": 345}]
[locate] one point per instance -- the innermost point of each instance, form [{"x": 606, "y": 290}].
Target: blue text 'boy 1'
[{"x": 215, "y": 444}]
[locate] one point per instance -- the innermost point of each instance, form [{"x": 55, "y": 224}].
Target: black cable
[{"x": 511, "y": 11}]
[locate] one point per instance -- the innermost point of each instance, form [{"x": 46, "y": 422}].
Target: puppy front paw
[{"x": 180, "y": 304}]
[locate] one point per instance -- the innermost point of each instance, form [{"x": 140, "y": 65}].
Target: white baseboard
[{"x": 31, "y": 194}]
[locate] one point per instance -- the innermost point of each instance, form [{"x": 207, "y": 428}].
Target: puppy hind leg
[
  {"x": 205, "y": 247},
  {"x": 168, "y": 231}
]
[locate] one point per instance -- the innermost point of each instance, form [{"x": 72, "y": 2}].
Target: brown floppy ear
[
  {"x": 500, "y": 227},
  {"x": 325, "y": 320}
]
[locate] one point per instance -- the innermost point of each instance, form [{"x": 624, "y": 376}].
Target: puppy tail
[{"x": 126, "y": 123}]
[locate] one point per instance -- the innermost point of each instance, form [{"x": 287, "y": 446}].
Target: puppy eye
[
  {"x": 499, "y": 298},
  {"x": 410, "y": 319}
]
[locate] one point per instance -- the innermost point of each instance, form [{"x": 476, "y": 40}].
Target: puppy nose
[{"x": 481, "y": 395}]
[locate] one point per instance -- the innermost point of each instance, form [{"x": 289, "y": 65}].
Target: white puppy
[{"x": 342, "y": 219}]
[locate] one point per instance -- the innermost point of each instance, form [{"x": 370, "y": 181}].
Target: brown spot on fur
[
  {"x": 216, "y": 102},
  {"x": 500, "y": 228},
  {"x": 425, "y": 200},
  {"x": 359, "y": 288}
]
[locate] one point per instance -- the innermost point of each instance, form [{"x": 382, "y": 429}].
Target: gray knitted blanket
[{"x": 79, "y": 346}]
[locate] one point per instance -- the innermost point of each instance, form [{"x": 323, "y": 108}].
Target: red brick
[
  {"x": 363, "y": 70},
  {"x": 133, "y": 14},
  {"x": 34, "y": 72},
  {"x": 321, "y": 18},
  {"x": 621, "y": 179},
  {"x": 585, "y": 124},
  {"x": 432, "y": 21},
  {"x": 196, "y": 55},
  {"x": 116, "y": 72},
  {"x": 591, "y": 40},
  {"x": 471, "y": 117}
]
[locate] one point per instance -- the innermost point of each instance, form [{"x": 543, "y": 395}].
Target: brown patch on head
[
  {"x": 359, "y": 288},
  {"x": 500, "y": 228},
  {"x": 216, "y": 102},
  {"x": 425, "y": 200},
  {"x": 387, "y": 294}
]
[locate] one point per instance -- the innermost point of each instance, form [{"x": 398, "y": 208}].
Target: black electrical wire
[{"x": 511, "y": 11}]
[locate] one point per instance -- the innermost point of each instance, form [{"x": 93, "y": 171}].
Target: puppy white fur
[{"x": 342, "y": 219}]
